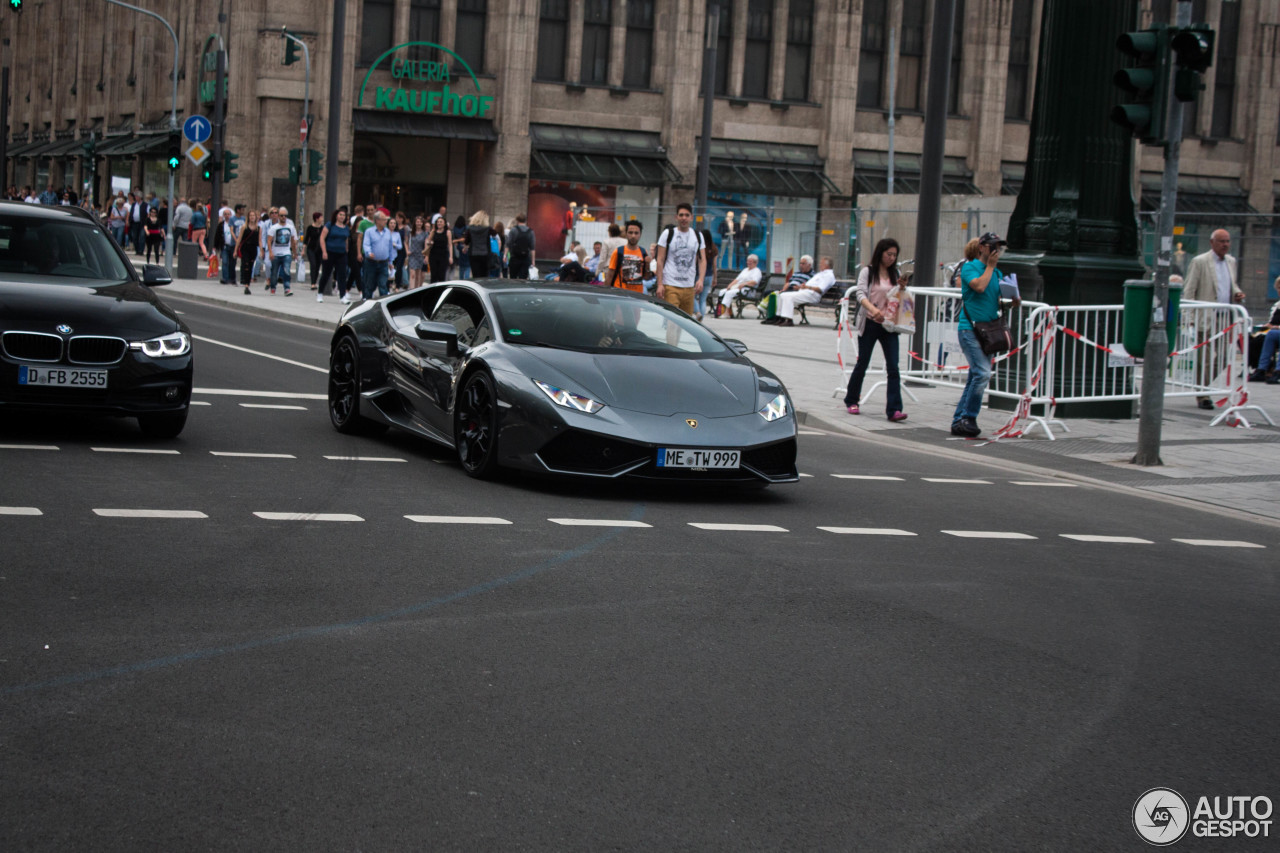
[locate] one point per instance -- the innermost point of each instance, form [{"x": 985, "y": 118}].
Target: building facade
[{"x": 528, "y": 105}]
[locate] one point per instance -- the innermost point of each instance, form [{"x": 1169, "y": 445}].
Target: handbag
[
  {"x": 993, "y": 335},
  {"x": 900, "y": 314}
]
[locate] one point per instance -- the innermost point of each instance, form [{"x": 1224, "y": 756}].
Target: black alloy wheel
[
  {"x": 475, "y": 428},
  {"x": 344, "y": 390},
  {"x": 162, "y": 424}
]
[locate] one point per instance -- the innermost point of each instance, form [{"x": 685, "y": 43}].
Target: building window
[
  {"x": 795, "y": 85},
  {"x": 377, "y": 28},
  {"x": 911, "y": 55},
  {"x": 724, "y": 44},
  {"x": 424, "y": 24},
  {"x": 595, "y": 41},
  {"x": 1224, "y": 77},
  {"x": 468, "y": 39},
  {"x": 1019, "y": 77},
  {"x": 638, "y": 60},
  {"x": 871, "y": 61},
  {"x": 553, "y": 39},
  {"x": 755, "y": 72},
  {"x": 957, "y": 55}
]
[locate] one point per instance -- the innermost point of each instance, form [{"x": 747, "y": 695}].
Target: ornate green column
[{"x": 1073, "y": 237}]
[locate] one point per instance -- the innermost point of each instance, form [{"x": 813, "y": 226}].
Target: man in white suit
[{"x": 1212, "y": 277}]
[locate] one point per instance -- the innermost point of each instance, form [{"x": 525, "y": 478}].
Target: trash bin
[
  {"x": 189, "y": 257},
  {"x": 1138, "y": 297}
]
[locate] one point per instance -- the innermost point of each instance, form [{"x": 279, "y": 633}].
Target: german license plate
[
  {"x": 62, "y": 377},
  {"x": 682, "y": 457}
]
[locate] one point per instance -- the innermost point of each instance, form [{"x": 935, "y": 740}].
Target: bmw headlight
[
  {"x": 569, "y": 400},
  {"x": 775, "y": 408},
  {"x": 179, "y": 343}
]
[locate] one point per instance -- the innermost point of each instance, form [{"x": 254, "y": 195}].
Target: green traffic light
[
  {"x": 15, "y": 5},
  {"x": 174, "y": 163}
]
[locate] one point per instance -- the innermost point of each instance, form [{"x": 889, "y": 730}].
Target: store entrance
[
  {"x": 411, "y": 198},
  {"x": 400, "y": 172}
]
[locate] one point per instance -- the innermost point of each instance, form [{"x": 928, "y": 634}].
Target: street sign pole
[{"x": 304, "y": 171}]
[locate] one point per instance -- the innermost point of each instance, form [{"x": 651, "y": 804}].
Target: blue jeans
[
  {"x": 280, "y": 269},
  {"x": 1266, "y": 361},
  {"x": 979, "y": 375},
  {"x": 700, "y": 299},
  {"x": 871, "y": 333},
  {"x": 373, "y": 275},
  {"x": 464, "y": 265},
  {"x": 228, "y": 272}
]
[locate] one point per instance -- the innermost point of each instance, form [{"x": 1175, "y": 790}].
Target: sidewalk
[{"x": 1225, "y": 467}]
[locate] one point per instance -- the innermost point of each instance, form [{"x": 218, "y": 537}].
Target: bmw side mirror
[
  {"x": 737, "y": 346},
  {"x": 442, "y": 333},
  {"x": 155, "y": 275}
]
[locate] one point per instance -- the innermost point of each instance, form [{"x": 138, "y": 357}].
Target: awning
[
  {"x": 26, "y": 149},
  {"x": 768, "y": 168},
  {"x": 412, "y": 124},
  {"x": 64, "y": 146},
  {"x": 595, "y": 156},
  {"x": 150, "y": 143},
  {"x": 871, "y": 174},
  {"x": 1197, "y": 194},
  {"x": 113, "y": 146}
]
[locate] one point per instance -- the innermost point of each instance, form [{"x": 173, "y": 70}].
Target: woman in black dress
[
  {"x": 247, "y": 248},
  {"x": 440, "y": 250}
]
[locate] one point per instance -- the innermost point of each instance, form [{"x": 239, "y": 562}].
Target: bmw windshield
[
  {"x": 603, "y": 322},
  {"x": 55, "y": 251}
]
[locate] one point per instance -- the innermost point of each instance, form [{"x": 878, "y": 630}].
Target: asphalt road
[{"x": 897, "y": 663}]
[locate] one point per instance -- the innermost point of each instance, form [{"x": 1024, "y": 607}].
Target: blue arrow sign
[{"x": 197, "y": 129}]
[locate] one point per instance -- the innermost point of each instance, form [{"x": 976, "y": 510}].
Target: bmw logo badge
[{"x": 63, "y": 329}]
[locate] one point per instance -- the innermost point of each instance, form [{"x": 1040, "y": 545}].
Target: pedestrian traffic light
[
  {"x": 175, "y": 150},
  {"x": 90, "y": 147},
  {"x": 315, "y": 165},
  {"x": 295, "y": 165},
  {"x": 291, "y": 50},
  {"x": 15, "y": 5},
  {"x": 206, "y": 170},
  {"x": 1146, "y": 84},
  {"x": 1193, "y": 54},
  {"x": 229, "y": 163}
]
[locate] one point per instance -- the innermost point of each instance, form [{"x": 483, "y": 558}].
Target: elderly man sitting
[
  {"x": 803, "y": 289},
  {"x": 749, "y": 277}
]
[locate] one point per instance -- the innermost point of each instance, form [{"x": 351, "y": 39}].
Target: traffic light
[
  {"x": 291, "y": 50},
  {"x": 229, "y": 164},
  {"x": 15, "y": 5},
  {"x": 295, "y": 165},
  {"x": 315, "y": 165},
  {"x": 175, "y": 150},
  {"x": 206, "y": 170},
  {"x": 1193, "y": 54},
  {"x": 90, "y": 147},
  {"x": 1146, "y": 84}
]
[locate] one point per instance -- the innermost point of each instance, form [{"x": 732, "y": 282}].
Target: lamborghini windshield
[{"x": 602, "y": 322}]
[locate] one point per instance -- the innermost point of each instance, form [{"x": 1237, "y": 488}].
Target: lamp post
[{"x": 304, "y": 173}]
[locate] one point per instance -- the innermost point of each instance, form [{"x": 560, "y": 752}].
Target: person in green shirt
[{"x": 980, "y": 298}]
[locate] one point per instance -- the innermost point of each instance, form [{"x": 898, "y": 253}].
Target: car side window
[{"x": 462, "y": 309}]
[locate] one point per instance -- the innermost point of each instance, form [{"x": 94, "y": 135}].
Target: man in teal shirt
[{"x": 980, "y": 297}]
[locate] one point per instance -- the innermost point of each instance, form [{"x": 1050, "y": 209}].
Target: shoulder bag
[{"x": 993, "y": 335}]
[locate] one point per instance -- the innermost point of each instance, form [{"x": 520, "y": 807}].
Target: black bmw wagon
[{"x": 80, "y": 329}]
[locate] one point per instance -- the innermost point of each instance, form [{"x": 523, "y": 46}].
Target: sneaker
[
  {"x": 272, "y": 291},
  {"x": 1258, "y": 376},
  {"x": 286, "y": 293},
  {"x": 854, "y": 410},
  {"x": 972, "y": 426},
  {"x": 965, "y": 428},
  {"x": 897, "y": 416},
  {"x": 345, "y": 300},
  {"x": 1273, "y": 379},
  {"x": 319, "y": 297},
  {"x": 247, "y": 291}
]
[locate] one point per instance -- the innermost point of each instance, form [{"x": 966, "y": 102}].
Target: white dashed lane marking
[
  {"x": 27, "y": 447},
  {"x": 743, "y": 528},
  {"x": 1219, "y": 543},
  {"x": 200, "y": 403},
  {"x": 864, "y": 477},
  {"x": 365, "y": 458},
  {"x": 252, "y": 455},
  {"x": 947, "y": 480},
  {"x": 1043, "y": 483},
  {"x": 806, "y": 475},
  {"x": 868, "y": 531},
  {"x": 987, "y": 534},
  {"x": 133, "y": 450},
  {"x": 597, "y": 522},
  {"x": 307, "y": 516},
  {"x": 279, "y": 395},
  {"x": 456, "y": 519},
  {"x": 273, "y": 406},
  {"x": 1114, "y": 540},
  {"x": 149, "y": 513},
  {"x": 19, "y": 510}
]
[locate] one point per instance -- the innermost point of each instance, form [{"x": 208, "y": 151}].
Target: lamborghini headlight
[
  {"x": 569, "y": 400},
  {"x": 775, "y": 408}
]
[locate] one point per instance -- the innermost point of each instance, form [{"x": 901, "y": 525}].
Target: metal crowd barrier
[{"x": 1068, "y": 354}]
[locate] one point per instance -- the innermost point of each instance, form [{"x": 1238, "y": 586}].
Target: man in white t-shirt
[
  {"x": 749, "y": 277},
  {"x": 282, "y": 244},
  {"x": 805, "y": 293},
  {"x": 682, "y": 261}
]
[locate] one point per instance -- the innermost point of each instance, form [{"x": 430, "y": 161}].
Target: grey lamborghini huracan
[{"x": 572, "y": 380}]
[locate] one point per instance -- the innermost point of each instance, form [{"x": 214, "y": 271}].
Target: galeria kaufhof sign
[{"x": 426, "y": 87}]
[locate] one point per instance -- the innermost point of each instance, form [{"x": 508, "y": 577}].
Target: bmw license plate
[
  {"x": 681, "y": 457},
  {"x": 62, "y": 377}
]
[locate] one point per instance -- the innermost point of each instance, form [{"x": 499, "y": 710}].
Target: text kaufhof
[{"x": 1228, "y": 817}]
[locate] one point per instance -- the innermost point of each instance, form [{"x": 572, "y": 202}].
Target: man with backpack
[
  {"x": 682, "y": 261},
  {"x": 628, "y": 263},
  {"x": 521, "y": 244}
]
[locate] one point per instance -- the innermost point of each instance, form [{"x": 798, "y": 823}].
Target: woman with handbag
[
  {"x": 875, "y": 281},
  {"x": 980, "y": 330}
]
